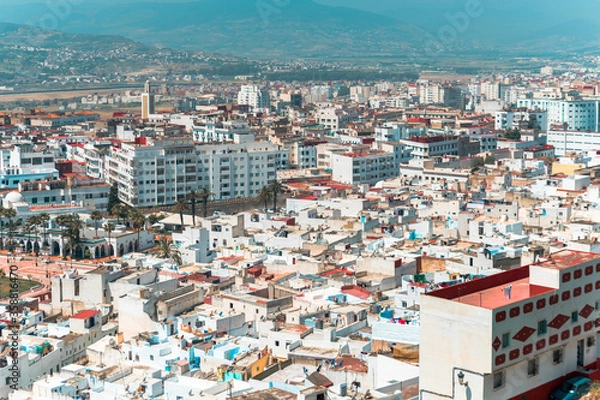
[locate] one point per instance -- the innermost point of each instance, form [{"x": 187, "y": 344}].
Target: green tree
[
  {"x": 9, "y": 214},
  {"x": 96, "y": 216},
  {"x": 512, "y": 134},
  {"x": 139, "y": 221},
  {"x": 276, "y": 187},
  {"x": 180, "y": 207},
  {"x": 121, "y": 211},
  {"x": 31, "y": 226},
  {"x": 113, "y": 197},
  {"x": 490, "y": 159},
  {"x": 478, "y": 162},
  {"x": 193, "y": 198},
  {"x": 265, "y": 196},
  {"x": 44, "y": 219},
  {"x": 167, "y": 250},
  {"x": 109, "y": 228},
  {"x": 205, "y": 194}
]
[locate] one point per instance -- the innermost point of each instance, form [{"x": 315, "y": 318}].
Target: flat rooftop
[
  {"x": 491, "y": 292},
  {"x": 495, "y": 297},
  {"x": 567, "y": 258}
]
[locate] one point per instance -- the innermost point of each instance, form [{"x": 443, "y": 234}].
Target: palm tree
[
  {"x": 205, "y": 194},
  {"x": 121, "y": 211},
  {"x": 13, "y": 227},
  {"x": 138, "y": 220},
  {"x": 193, "y": 198},
  {"x": 166, "y": 249},
  {"x": 180, "y": 207},
  {"x": 9, "y": 214},
  {"x": 71, "y": 229},
  {"x": 96, "y": 216},
  {"x": 276, "y": 188},
  {"x": 109, "y": 228},
  {"x": 31, "y": 225},
  {"x": 44, "y": 219},
  {"x": 265, "y": 196}
]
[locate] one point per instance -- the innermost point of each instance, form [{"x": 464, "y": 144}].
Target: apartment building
[
  {"x": 22, "y": 163},
  {"x": 514, "y": 335},
  {"x": 577, "y": 114},
  {"x": 254, "y": 96},
  {"x": 519, "y": 119},
  {"x": 569, "y": 141},
  {"x": 432, "y": 146},
  {"x": 364, "y": 168},
  {"x": 161, "y": 171}
]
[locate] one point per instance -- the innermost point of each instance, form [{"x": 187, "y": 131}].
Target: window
[
  {"x": 542, "y": 327},
  {"x": 277, "y": 343},
  {"x": 574, "y": 316},
  {"x": 499, "y": 380},
  {"x": 151, "y": 357},
  {"x": 505, "y": 340},
  {"x": 557, "y": 356},
  {"x": 591, "y": 341},
  {"x": 533, "y": 367}
]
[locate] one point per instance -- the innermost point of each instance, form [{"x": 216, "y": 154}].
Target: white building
[
  {"x": 583, "y": 115},
  {"x": 163, "y": 171},
  {"x": 22, "y": 163},
  {"x": 513, "y": 335},
  {"x": 369, "y": 168},
  {"x": 514, "y": 119},
  {"x": 565, "y": 142},
  {"x": 255, "y": 96}
]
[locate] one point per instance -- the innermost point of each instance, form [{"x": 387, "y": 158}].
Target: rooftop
[{"x": 512, "y": 286}]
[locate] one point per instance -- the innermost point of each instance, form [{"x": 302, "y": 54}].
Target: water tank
[{"x": 343, "y": 389}]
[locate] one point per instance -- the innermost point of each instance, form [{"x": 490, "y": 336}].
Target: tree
[
  {"x": 121, "y": 211},
  {"x": 13, "y": 227},
  {"x": 193, "y": 198},
  {"x": 265, "y": 196},
  {"x": 276, "y": 187},
  {"x": 113, "y": 197},
  {"x": 490, "y": 159},
  {"x": 31, "y": 225},
  {"x": 154, "y": 219},
  {"x": 109, "y": 228},
  {"x": 478, "y": 162},
  {"x": 180, "y": 207},
  {"x": 166, "y": 249},
  {"x": 96, "y": 216},
  {"x": 512, "y": 134},
  {"x": 44, "y": 219},
  {"x": 9, "y": 214},
  {"x": 138, "y": 220},
  {"x": 71, "y": 226},
  {"x": 205, "y": 194}
]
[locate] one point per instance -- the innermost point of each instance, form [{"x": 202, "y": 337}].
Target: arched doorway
[
  {"x": 55, "y": 249},
  {"x": 130, "y": 247},
  {"x": 111, "y": 250},
  {"x": 97, "y": 252},
  {"x": 121, "y": 249}
]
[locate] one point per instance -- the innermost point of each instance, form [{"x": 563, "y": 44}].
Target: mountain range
[{"x": 324, "y": 29}]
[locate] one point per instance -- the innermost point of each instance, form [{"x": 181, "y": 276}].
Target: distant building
[
  {"x": 568, "y": 141},
  {"x": 148, "y": 106},
  {"x": 577, "y": 114},
  {"x": 254, "y": 96}
]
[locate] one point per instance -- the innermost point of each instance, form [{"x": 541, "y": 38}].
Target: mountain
[
  {"x": 256, "y": 29},
  {"x": 328, "y": 29}
]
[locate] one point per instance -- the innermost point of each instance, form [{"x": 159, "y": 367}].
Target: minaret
[{"x": 147, "y": 101}]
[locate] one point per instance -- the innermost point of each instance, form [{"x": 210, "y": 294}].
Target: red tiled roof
[{"x": 85, "y": 314}]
